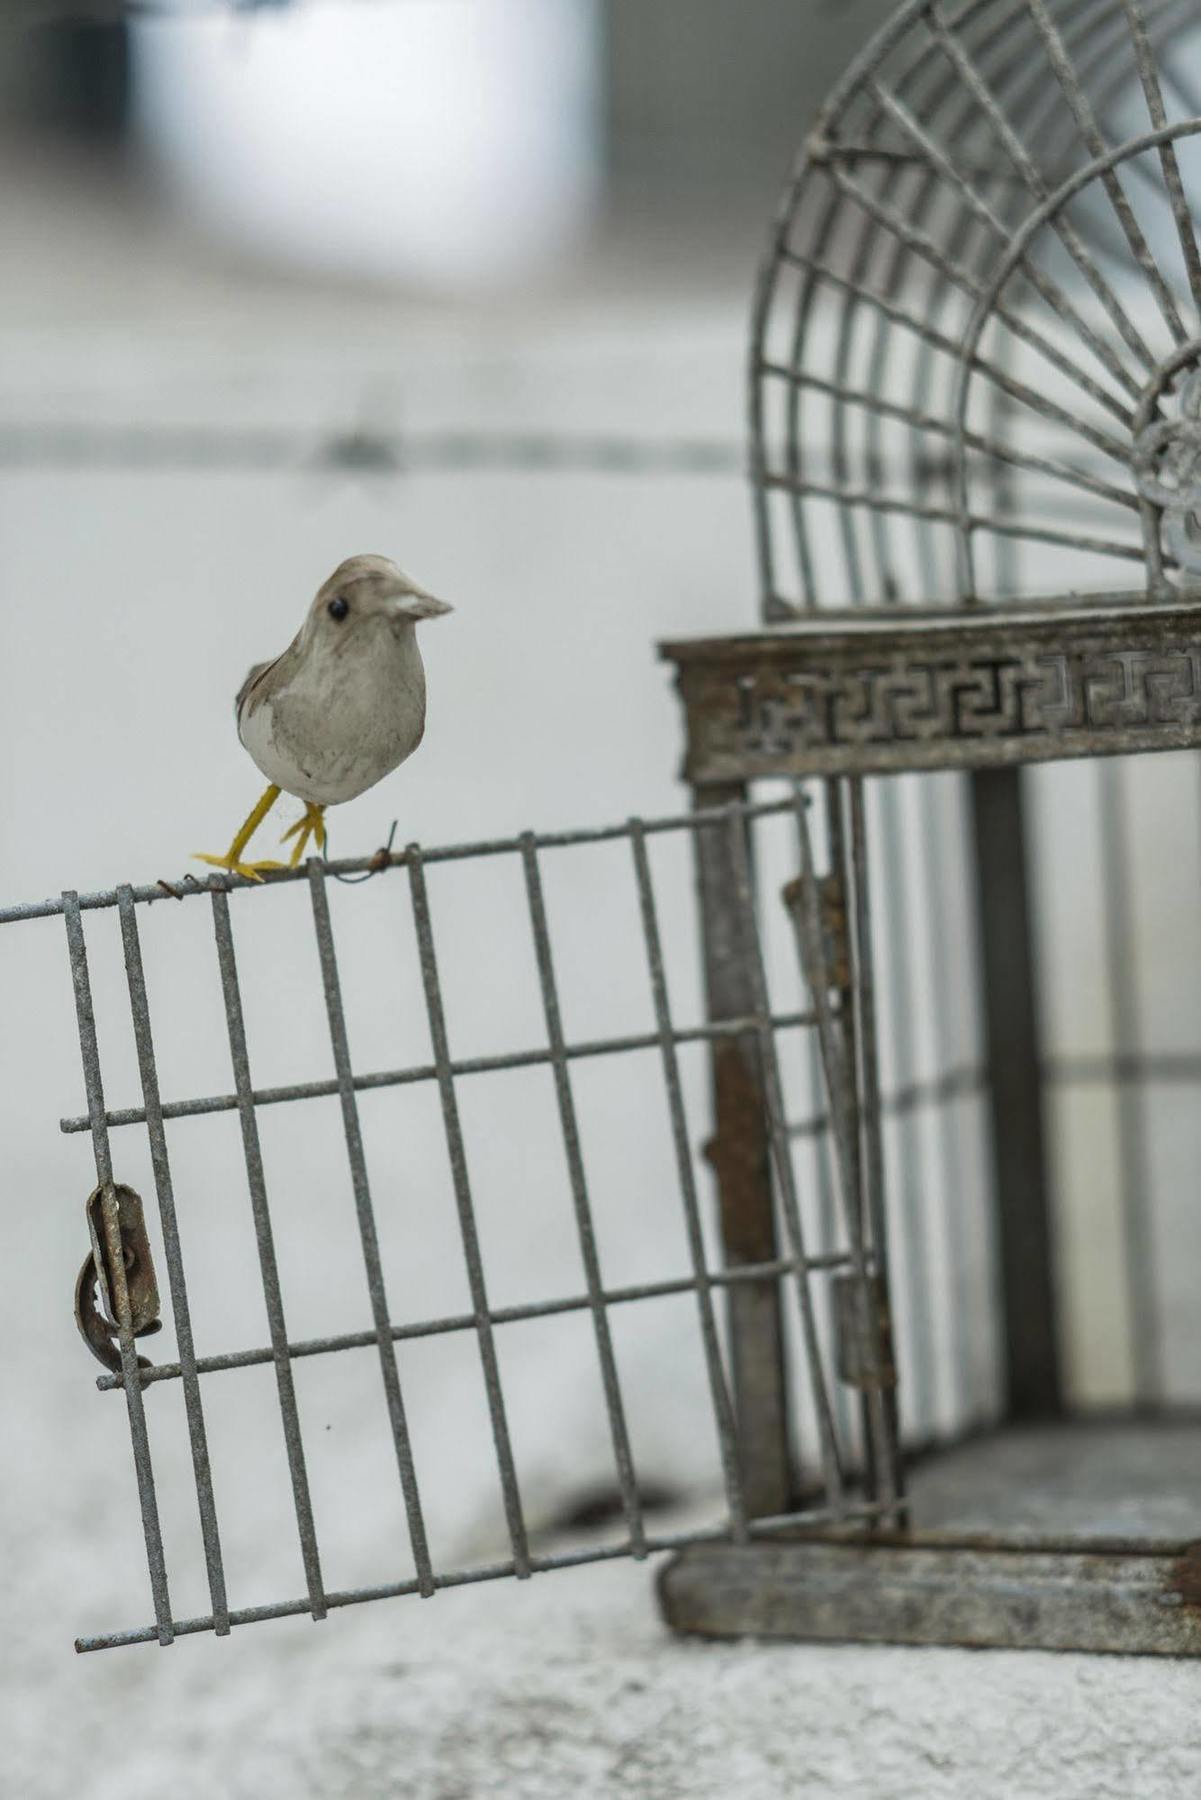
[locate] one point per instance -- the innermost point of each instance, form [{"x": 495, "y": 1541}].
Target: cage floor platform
[
  {"x": 1081, "y": 1536},
  {"x": 1114, "y": 1480}
]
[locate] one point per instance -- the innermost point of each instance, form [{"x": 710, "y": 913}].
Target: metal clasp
[{"x": 116, "y": 1284}]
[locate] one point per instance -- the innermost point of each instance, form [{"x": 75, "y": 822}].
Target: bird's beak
[{"x": 417, "y": 604}]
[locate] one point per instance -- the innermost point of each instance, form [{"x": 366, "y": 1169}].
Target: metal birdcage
[
  {"x": 974, "y": 398},
  {"x": 974, "y": 416}
]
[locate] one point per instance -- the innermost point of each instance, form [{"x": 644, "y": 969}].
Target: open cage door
[{"x": 352, "y": 1166}]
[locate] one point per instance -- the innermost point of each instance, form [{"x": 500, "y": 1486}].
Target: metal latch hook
[{"x": 107, "y": 1296}]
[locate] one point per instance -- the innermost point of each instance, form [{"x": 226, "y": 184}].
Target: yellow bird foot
[
  {"x": 232, "y": 860},
  {"x": 252, "y": 871},
  {"x": 312, "y": 825}
]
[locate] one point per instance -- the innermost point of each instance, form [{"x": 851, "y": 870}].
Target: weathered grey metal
[
  {"x": 774, "y": 1417},
  {"x": 114, "y": 1259},
  {"x": 256, "y": 1186},
  {"x": 95, "y": 1308},
  {"x": 739, "y": 1153},
  {"x": 973, "y": 219},
  {"x": 840, "y": 988},
  {"x": 657, "y": 1542},
  {"x": 191, "y": 888},
  {"x": 181, "y": 1311},
  {"x": 765, "y": 1274},
  {"x": 967, "y": 177},
  {"x": 862, "y": 693},
  {"x": 751, "y": 1405},
  {"x": 920, "y": 1591},
  {"x": 1066, "y": 1536}
]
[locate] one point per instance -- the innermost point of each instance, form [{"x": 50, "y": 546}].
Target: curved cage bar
[{"x": 974, "y": 335}]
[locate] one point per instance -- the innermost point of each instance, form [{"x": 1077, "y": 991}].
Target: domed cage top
[{"x": 976, "y": 336}]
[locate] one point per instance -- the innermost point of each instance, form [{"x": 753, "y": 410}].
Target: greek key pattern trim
[{"x": 770, "y": 714}]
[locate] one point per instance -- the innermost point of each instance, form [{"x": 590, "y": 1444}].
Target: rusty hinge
[
  {"x": 863, "y": 1332},
  {"x": 107, "y": 1294},
  {"x": 835, "y": 947}
]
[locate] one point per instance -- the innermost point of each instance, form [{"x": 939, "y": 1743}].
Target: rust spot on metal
[
  {"x": 1185, "y": 1579},
  {"x": 739, "y": 1155},
  {"x": 832, "y": 914}
]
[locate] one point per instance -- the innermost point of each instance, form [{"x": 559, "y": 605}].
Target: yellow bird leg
[
  {"x": 311, "y": 825},
  {"x": 232, "y": 860}
]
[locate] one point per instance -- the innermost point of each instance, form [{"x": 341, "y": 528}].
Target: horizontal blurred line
[
  {"x": 954, "y": 1085},
  {"x": 163, "y": 448},
  {"x": 1064, "y": 1071},
  {"x": 1163, "y": 1065}
]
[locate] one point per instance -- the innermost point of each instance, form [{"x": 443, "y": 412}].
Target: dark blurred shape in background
[{"x": 77, "y": 81}]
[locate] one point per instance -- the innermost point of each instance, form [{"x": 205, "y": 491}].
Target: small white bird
[{"x": 342, "y": 707}]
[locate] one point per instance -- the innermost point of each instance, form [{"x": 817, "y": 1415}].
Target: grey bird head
[{"x": 362, "y": 592}]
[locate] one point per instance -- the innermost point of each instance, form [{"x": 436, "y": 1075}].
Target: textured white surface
[{"x": 571, "y": 1686}]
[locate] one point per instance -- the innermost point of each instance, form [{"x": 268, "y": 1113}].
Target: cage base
[{"x": 1074, "y": 1537}]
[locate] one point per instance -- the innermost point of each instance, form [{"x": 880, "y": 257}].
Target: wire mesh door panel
[{"x": 410, "y": 1297}]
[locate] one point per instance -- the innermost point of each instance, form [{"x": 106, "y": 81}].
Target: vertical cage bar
[
  {"x": 131, "y": 1378},
  {"x": 844, "y": 1072},
  {"x": 264, "y": 1237},
  {"x": 741, "y": 1159},
  {"x": 752, "y": 950},
  {"x": 837, "y": 1040},
  {"x": 840, "y": 1072},
  {"x": 1014, "y": 1059},
  {"x": 389, "y": 1366},
  {"x": 823, "y": 1154},
  {"x": 1133, "y": 1155},
  {"x": 885, "y": 1398},
  {"x": 143, "y": 1037},
  {"x": 723, "y": 1411},
  {"x": 581, "y": 1205},
  {"x": 465, "y": 1207}
]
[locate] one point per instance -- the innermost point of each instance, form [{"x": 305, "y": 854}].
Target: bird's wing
[
  {"x": 263, "y": 678},
  {"x": 248, "y": 686}
]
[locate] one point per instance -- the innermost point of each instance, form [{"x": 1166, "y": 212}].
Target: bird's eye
[{"x": 338, "y": 607}]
